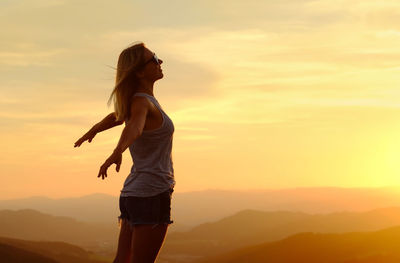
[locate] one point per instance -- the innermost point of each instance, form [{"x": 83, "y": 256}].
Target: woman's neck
[{"x": 146, "y": 88}]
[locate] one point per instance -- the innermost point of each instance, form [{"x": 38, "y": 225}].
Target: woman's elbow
[
  {"x": 135, "y": 130},
  {"x": 119, "y": 122}
]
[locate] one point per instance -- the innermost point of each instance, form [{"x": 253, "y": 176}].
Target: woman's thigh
[
  {"x": 124, "y": 243},
  {"x": 147, "y": 241}
]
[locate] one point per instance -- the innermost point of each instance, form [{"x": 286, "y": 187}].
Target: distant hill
[
  {"x": 91, "y": 208},
  {"x": 16, "y": 250},
  {"x": 33, "y": 225},
  {"x": 374, "y": 247},
  {"x": 251, "y": 227},
  {"x": 192, "y": 208},
  {"x": 204, "y": 206}
]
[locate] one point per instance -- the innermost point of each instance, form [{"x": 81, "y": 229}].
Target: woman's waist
[
  {"x": 148, "y": 182},
  {"x": 159, "y": 168}
]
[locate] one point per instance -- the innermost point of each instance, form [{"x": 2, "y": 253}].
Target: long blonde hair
[{"x": 126, "y": 82}]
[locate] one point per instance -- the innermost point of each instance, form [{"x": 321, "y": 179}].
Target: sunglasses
[{"x": 154, "y": 59}]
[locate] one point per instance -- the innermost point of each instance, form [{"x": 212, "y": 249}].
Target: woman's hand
[
  {"x": 87, "y": 137},
  {"x": 116, "y": 157}
]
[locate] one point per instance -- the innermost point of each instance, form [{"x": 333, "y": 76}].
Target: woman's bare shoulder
[
  {"x": 140, "y": 101},
  {"x": 140, "y": 105}
]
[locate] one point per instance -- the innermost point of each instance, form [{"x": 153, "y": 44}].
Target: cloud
[
  {"x": 213, "y": 51},
  {"x": 38, "y": 58},
  {"x": 273, "y": 16}
]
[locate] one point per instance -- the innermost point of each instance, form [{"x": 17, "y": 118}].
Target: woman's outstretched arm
[
  {"x": 133, "y": 129},
  {"x": 108, "y": 122}
]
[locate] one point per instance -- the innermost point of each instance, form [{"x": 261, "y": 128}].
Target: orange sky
[{"x": 262, "y": 95}]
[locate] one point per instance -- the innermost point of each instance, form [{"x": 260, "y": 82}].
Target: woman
[{"x": 146, "y": 195}]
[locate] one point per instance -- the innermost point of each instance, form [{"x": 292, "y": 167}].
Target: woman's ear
[{"x": 139, "y": 74}]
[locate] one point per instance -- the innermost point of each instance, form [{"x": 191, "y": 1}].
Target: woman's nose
[{"x": 160, "y": 60}]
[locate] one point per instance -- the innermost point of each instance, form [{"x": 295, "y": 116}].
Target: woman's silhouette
[{"x": 145, "y": 200}]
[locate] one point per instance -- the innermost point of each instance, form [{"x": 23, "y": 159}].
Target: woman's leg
[
  {"x": 124, "y": 243},
  {"x": 147, "y": 241}
]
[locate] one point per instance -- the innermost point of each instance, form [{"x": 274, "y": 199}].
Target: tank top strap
[{"x": 144, "y": 95}]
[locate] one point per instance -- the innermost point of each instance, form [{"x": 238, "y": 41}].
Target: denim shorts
[{"x": 146, "y": 210}]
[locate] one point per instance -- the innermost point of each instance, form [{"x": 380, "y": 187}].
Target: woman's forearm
[
  {"x": 128, "y": 136},
  {"x": 108, "y": 122}
]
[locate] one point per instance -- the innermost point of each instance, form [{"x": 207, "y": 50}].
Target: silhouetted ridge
[
  {"x": 10, "y": 254},
  {"x": 357, "y": 247},
  {"x": 60, "y": 252},
  {"x": 251, "y": 227}
]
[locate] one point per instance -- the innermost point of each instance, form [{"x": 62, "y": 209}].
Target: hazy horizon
[{"x": 255, "y": 190}]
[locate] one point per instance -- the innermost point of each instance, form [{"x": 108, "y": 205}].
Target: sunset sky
[{"x": 263, "y": 94}]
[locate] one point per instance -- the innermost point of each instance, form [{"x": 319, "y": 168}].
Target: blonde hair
[{"x": 126, "y": 82}]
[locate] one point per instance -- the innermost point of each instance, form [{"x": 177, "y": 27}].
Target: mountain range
[
  {"x": 190, "y": 209},
  {"x": 245, "y": 228}
]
